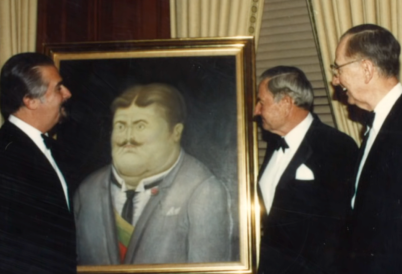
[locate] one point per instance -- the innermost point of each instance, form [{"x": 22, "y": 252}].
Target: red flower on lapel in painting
[{"x": 154, "y": 191}]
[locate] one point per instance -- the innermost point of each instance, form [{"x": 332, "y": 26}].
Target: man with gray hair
[
  {"x": 37, "y": 231},
  {"x": 305, "y": 180},
  {"x": 367, "y": 69}
]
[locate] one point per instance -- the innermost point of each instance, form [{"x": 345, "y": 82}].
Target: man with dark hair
[
  {"x": 155, "y": 203},
  {"x": 37, "y": 233},
  {"x": 305, "y": 180},
  {"x": 367, "y": 68}
]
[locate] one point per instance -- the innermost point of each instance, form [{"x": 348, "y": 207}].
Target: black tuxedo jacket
[
  {"x": 376, "y": 227},
  {"x": 302, "y": 232},
  {"x": 36, "y": 228}
]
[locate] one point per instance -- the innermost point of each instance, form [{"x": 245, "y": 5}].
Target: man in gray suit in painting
[{"x": 154, "y": 203}]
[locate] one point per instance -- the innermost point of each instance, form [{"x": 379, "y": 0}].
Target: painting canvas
[{"x": 215, "y": 77}]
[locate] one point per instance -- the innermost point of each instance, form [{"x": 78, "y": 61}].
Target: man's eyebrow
[
  {"x": 140, "y": 120},
  {"x": 119, "y": 122},
  {"x": 124, "y": 121}
]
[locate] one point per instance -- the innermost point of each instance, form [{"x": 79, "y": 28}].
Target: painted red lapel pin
[{"x": 154, "y": 191}]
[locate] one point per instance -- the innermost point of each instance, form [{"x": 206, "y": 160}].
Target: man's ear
[
  {"x": 177, "y": 131},
  {"x": 369, "y": 68},
  {"x": 287, "y": 99},
  {"x": 31, "y": 103},
  {"x": 287, "y": 102}
]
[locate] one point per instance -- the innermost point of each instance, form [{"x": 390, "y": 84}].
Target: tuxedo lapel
[
  {"x": 17, "y": 137},
  {"x": 27, "y": 146},
  {"x": 370, "y": 165},
  {"x": 388, "y": 136},
  {"x": 26, "y": 151},
  {"x": 383, "y": 137}
]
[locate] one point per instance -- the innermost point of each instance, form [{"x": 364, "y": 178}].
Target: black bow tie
[
  {"x": 49, "y": 141},
  {"x": 370, "y": 119},
  {"x": 281, "y": 143}
]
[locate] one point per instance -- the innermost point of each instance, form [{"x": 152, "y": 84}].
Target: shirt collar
[
  {"x": 384, "y": 106},
  {"x": 296, "y": 135},
  {"x": 141, "y": 186},
  {"x": 29, "y": 130}
]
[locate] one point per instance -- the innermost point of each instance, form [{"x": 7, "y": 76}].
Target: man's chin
[
  {"x": 128, "y": 161},
  {"x": 265, "y": 126},
  {"x": 351, "y": 100},
  {"x": 131, "y": 171}
]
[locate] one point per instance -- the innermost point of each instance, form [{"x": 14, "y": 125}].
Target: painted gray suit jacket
[{"x": 188, "y": 221}]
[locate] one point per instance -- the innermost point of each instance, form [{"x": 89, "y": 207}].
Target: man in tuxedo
[
  {"x": 37, "y": 233},
  {"x": 367, "y": 68},
  {"x": 154, "y": 203},
  {"x": 305, "y": 179}
]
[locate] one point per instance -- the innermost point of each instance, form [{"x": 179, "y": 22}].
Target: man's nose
[
  {"x": 129, "y": 132},
  {"x": 66, "y": 93},
  {"x": 132, "y": 134}
]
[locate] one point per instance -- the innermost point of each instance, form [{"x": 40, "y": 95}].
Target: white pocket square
[
  {"x": 173, "y": 211},
  {"x": 304, "y": 173}
]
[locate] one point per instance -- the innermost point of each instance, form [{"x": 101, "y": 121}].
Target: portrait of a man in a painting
[{"x": 154, "y": 203}]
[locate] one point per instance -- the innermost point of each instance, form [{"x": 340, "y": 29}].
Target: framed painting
[{"x": 205, "y": 219}]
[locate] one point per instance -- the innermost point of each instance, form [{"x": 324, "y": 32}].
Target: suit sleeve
[{"x": 210, "y": 223}]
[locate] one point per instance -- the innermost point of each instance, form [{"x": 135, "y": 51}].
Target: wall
[{"x": 62, "y": 21}]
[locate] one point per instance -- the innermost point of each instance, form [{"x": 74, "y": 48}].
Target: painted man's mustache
[{"x": 129, "y": 142}]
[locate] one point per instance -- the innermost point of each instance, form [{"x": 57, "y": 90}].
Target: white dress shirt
[
  {"x": 142, "y": 195},
  {"x": 280, "y": 160},
  {"x": 381, "y": 112},
  {"x": 36, "y": 137}
]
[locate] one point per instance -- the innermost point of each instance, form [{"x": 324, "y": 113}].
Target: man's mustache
[
  {"x": 65, "y": 110},
  {"x": 128, "y": 142}
]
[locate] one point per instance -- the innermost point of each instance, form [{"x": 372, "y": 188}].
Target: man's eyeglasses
[{"x": 335, "y": 68}]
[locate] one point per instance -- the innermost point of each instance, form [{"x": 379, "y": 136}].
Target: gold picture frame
[{"x": 217, "y": 79}]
